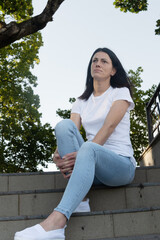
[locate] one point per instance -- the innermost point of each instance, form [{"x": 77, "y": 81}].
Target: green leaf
[
  {"x": 134, "y": 6},
  {"x": 157, "y": 31}
]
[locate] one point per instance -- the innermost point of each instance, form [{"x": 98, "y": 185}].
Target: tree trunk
[{"x": 13, "y": 31}]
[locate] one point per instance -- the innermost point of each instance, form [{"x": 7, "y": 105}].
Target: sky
[{"x": 81, "y": 26}]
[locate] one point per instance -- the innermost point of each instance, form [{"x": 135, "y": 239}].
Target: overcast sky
[{"x": 81, "y": 26}]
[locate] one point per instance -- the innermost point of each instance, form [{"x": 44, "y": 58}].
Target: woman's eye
[{"x": 94, "y": 60}]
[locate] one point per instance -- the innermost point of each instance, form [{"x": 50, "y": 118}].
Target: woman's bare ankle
[{"x": 55, "y": 220}]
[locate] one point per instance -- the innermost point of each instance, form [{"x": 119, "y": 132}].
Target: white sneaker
[
  {"x": 38, "y": 233},
  {"x": 83, "y": 207}
]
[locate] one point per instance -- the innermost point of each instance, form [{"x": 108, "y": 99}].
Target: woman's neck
[{"x": 100, "y": 87}]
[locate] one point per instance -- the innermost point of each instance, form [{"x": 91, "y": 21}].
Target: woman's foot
[
  {"x": 37, "y": 232},
  {"x": 83, "y": 207},
  {"x": 52, "y": 228}
]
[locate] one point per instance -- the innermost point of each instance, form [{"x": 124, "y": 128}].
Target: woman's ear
[{"x": 113, "y": 72}]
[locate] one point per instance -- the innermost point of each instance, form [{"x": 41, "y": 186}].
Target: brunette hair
[{"x": 120, "y": 78}]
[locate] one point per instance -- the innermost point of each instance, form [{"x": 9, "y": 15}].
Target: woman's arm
[
  {"x": 115, "y": 115},
  {"x": 75, "y": 117}
]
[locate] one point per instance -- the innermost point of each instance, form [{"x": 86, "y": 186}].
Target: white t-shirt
[{"x": 93, "y": 113}]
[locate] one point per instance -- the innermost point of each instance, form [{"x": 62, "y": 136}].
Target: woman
[{"x": 107, "y": 157}]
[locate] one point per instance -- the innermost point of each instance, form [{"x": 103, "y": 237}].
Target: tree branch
[{"x": 13, "y": 31}]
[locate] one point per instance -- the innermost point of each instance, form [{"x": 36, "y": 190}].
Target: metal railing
[{"x": 153, "y": 115}]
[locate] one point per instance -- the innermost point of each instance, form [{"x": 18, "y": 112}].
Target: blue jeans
[{"x": 94, "y": 163}]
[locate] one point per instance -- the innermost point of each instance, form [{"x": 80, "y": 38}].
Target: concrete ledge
[
  {"x": 97, "y": 225},
  {"x": 30, "y": 202},
  {"x": 54, "y": 180},
  {"x": 94, "y": 187},
  {"x": 108, "y": 212},
  {"x": 142, "y": 237},
  {"x": 58, "y": 173}
]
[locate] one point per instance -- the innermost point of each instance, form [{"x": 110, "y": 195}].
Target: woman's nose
[{"x": 98, "y": 64}]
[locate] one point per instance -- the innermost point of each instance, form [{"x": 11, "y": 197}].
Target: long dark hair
[{"x": 120, "y": 78}]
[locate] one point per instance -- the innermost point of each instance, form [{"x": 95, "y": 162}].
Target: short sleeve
[
  {"x": 124, "y": 94},
  {"x": 77, "y": 106}
]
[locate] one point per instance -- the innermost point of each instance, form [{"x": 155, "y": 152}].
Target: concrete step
[
  {"x": 30, "y": 202},
  {"x": 142, "y": 237},
  {"x": 123, "y": 224},
  {"x": 54, "y": 180}
]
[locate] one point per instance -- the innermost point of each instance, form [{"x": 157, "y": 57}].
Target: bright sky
[{"x": 81, "y": 26}]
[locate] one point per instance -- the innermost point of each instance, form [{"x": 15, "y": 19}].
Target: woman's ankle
[{"x": 55, "y": 220}]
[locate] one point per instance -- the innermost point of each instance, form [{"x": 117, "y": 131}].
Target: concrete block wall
[
  {"x": 127, "y": 212},
  {"x": 54, "y": 180},
  {"x": 97, "y": 225}
]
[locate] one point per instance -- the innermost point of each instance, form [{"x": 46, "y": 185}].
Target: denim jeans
[{"x": 94, "y": 164}]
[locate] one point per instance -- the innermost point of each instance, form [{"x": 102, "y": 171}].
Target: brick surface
[
  {"x": 3, "y": 183},
  {"x": 140, "y": 176},
  {"x": 89, "y": 227},
  {"x": 137, "y": 223},
  {"x": 101, "y": 199},
  {"x": 36, "y": 204},
  {"x": 153, "y": 175},
  {"x": 60, "y": 181},
  {"x": 107, "y": 199},
  {"x": 8, "y": 205},
  {"x": 143, "y": 197},
  {"x": 18, "y": 182},
  {"x": 31, "y": 182},
  {"x": 8, "y": 228},
  {"x": 97, "y": 226}
]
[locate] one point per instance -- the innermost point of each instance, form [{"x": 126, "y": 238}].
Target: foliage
[
  {"x": 134, "y": 6},
  {"x": 65, "y": 114},
  {"x": 139, "y": 130},
  {"x": 157, "y": 31},
  {"x": 17, "y": 9},
  {"x": 24, "y": 141}
]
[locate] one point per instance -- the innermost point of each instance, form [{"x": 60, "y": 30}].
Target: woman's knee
[
  {"x": 86, "y": 153},
  {"x": 64, "y": 126},
  {"x": 88, "y": 147}
]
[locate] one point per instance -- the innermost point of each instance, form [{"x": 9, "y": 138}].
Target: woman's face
[{"x": 101, "y": 67}]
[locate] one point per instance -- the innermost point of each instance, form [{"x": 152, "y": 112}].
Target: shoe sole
[{"x": 19, "y": 238}]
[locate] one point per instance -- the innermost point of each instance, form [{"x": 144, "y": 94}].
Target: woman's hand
[{"x": 65, "y": 164}]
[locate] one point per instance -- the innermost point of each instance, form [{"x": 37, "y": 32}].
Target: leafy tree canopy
[
  {"x": 17, "y": 9},
  {"x": 134, "y": 6},
  {"x": 24, "y": 141},
  {"x": 139, "y": 129}
]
